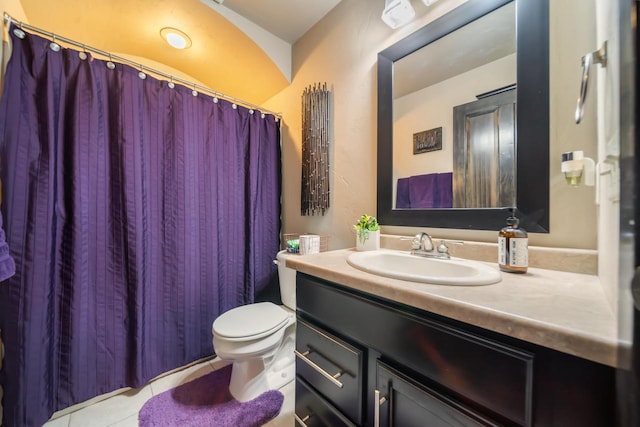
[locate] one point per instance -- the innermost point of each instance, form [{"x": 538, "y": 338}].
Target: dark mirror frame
[{"x": 532, "y": 122}]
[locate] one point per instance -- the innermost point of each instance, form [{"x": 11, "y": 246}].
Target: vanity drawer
[
  {"x": 494, "y": 375},
  {"x": 332, "y": 367},
  {"x": 313, "y": 411}
]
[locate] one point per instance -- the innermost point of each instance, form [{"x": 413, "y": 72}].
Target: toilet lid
[{"x": 250, "y": 320}]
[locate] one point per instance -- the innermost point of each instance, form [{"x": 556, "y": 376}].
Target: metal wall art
[{"x": 315, "y": 150}]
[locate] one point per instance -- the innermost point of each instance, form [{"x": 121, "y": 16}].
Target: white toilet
[{"x": 259, "y": 339}]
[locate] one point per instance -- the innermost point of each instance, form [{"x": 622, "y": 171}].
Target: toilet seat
[{"x": 250, "y": 322}]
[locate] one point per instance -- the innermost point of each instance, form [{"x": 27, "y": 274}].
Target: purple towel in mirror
[
  {"x": 422, "y": 190},
  {"x": 444, "y": 191},
  {"x": 403, "y": 201}
]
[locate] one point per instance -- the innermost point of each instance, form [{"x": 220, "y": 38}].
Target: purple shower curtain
[{"x": 136, "y": 215}]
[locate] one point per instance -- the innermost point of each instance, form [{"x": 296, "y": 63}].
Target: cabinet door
[{"x": 404, "y": 402}]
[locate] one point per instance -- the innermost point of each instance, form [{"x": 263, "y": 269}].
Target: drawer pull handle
[
  {"x": 376, "y": 407},
  {"x": 332, "y": 378},
  {"x": 302, "y": 421}
]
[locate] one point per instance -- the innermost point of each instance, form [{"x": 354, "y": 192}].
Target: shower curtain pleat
[{"x": 136, "y": 214}]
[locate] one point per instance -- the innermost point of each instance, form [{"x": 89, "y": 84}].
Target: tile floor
[{"x": 121, "y": 410}]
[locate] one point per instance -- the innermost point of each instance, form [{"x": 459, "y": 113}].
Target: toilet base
[{"x": 252, "y": 377}]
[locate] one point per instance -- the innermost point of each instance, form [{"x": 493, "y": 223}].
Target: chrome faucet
[
  {"x": 422, "y": 242},
  {"x": 422, "y": 245}
]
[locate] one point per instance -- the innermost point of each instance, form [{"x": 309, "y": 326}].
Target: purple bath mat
[{"x": 206, "y": 401}]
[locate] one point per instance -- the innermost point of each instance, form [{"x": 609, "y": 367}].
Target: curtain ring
[
  {"x": 53, "y": 45},
  {"x": 194, "y": 92},
  {"x": 234, "y": 106},
  {"x": 171, "y": 84},
  {"x": 142, "y": 74},
  {"x": 83, "y": 54},
  {"x": 110, "y": 64},
  {"x": 19, "y": 32}
]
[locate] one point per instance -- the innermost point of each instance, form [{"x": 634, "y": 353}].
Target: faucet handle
[
  {"x": 444, "y": 249},
  {"x": 416, "y": 243}
]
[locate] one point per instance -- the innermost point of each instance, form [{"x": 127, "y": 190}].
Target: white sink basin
[{"x": 404, "y": 266}]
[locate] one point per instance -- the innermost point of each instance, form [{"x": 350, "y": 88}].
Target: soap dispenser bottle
[{"x": 513, "y": 251}]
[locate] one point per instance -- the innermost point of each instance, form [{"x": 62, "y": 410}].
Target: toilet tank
[{"x": 287, "y": 278}]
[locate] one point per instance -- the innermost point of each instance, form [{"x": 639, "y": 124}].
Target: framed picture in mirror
[{"x": 427, "y": 140}]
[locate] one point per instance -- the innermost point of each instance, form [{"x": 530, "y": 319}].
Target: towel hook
[{"x": 597, "y": 57}]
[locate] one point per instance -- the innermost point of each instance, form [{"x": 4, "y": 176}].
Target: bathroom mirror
[{"x": 519, "y": 93}]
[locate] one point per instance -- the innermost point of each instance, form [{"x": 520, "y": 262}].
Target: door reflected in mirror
[{"x": 464, "y": 85}]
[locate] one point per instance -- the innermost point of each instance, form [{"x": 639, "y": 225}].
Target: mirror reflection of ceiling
[
  {"x": 480, "y": 42},
  {"x": 222, "y": 57}
]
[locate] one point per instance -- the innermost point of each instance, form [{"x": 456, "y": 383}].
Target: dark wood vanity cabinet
[{"x": 365, "y": 361}]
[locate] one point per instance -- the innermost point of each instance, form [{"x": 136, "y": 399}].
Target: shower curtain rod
[{"x": 10, "y": 20}]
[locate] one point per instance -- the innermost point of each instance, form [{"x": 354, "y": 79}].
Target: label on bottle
[
  {"x": 513, "y": 251},
  {"x": 502, "y": 250},
  {"x": 518, "y": 252}
]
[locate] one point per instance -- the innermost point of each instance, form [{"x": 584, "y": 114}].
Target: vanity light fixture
[
  {"x": 175, "y": 38},
  {"x": 397, "y": 12}
]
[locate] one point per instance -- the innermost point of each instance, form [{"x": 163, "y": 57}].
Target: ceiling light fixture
[
  {"x": 175, "y": 38},
  {"x": 397, "y": 12}
]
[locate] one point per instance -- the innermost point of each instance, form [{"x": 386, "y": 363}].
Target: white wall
[
  {"x": 608, "y": 89},
  {"x": 342, "y": 51}
]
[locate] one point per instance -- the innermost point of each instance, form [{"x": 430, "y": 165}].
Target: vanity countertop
[{"x": 563, "y": 311}]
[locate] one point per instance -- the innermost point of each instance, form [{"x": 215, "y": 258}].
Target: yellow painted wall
[{"x": 342, "y": 51}]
